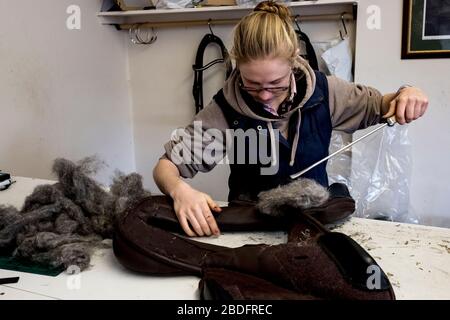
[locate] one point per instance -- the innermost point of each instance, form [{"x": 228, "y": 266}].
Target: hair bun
[{"x": 273, "y": 7}]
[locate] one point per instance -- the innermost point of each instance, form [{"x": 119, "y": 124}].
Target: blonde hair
[{"x": 265, "y": 33}]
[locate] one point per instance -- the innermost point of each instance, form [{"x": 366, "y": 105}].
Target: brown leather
[
  {"x": 244, "y": 216},
  {"x": 223, "y": 284},
  {"x": 305, "y": 269},
  {"x": 144, "y": 248},
  {"x": 296, "y": 269},
  {"x": 232, "y": 218}
]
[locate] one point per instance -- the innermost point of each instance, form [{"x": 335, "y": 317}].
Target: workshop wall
[
  {"x": 63, "y": 93},
  {"x": 161, "y": 89},
  {"x": 378, "y": 64}
]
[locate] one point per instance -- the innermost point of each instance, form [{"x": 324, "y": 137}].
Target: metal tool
[
  {"x": 389, "y": 122},
  {"x": 5, "y": 180}
]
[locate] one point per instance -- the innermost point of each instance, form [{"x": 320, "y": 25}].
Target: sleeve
[
  {"x": 201, "y": 145},
  {"x": 353, "y": 106}
]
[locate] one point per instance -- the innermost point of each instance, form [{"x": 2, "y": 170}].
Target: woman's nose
[{"x": 264, "y": 95}]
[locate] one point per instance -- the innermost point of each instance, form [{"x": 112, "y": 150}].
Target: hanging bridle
[{"x": 198, "y": 67}]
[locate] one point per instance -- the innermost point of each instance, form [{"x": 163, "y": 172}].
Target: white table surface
[{"x": 416, "y": 259}]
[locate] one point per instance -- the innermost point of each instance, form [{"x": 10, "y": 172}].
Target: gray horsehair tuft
[
  {"x": 60, "y": 224},
  {"x": 300, "y": 194}
]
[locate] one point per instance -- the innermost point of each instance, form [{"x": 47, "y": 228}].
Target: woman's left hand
[{"x": 408, "y": 105}]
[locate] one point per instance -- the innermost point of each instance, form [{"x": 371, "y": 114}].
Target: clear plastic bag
[
  {"x": 380, "y": 174},
  {"x": 173, "y": 4},
  {"x": 339, "y": 166},
  {"x": 339, "y": 59},
  {"x": 245, "y": 3},
  {"x": 253, "y": 3}
]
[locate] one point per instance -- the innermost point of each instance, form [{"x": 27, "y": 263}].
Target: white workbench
[{"x": 415, "y": 258}]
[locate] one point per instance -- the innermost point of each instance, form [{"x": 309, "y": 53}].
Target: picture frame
[{"x": 426, "y": 29}]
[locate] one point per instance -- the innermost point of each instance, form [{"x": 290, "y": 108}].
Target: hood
[{"x": 233, "y": 95}]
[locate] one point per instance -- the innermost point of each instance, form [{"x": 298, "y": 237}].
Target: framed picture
[{"x": 426, "y": 29}]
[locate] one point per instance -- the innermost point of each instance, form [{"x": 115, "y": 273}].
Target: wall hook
[
  {"x": 345, "y": 27},
  {"x": 209, "y": 26},
  {"x": 296, "y": 18},
  {"x": 136, "y": 36}
]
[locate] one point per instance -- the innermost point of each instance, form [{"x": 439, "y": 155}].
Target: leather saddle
[{"x": 314, "y": 264}]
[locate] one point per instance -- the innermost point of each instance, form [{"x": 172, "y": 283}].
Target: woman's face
[{"x": 266, "y": 80}]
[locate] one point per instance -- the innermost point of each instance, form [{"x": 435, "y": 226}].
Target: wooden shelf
[{"x": 307, "y": 10}]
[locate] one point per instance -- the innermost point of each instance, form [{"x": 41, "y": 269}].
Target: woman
[{"x": 275, "y": 93}]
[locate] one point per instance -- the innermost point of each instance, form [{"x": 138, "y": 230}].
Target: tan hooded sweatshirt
[{"x": 352, "y": 107}]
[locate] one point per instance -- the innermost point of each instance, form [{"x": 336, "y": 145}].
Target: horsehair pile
[
  {"x": 301, "y": 194},
  {"x": 60, "y": 224}
]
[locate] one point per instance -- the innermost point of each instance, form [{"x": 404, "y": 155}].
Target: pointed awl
[{"x": 389, "y": 122}]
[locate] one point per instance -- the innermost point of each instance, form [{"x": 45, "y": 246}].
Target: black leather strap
[
  {"x": 352, "y": 260},
  {"x": 198, "y": 67},
  {"x": 310, "y": 53}
]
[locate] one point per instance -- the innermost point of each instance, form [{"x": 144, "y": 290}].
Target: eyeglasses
[{"x": 274, "y": 90}]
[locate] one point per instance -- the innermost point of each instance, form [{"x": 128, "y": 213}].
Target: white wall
[
  {"x": 378, "y": 63},
  {"x": 161, "y": 87},
  {"x": 63, "y": 93}
]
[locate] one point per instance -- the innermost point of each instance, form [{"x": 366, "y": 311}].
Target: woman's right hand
[{"x": 193, "y": 210}]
